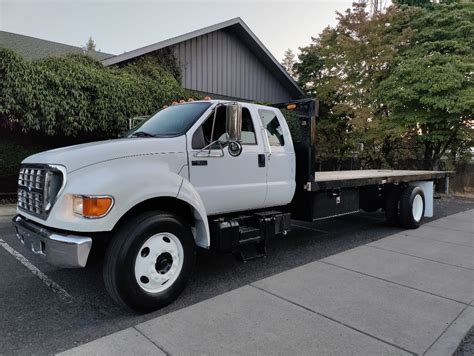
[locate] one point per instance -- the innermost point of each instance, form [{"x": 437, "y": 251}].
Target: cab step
[
  {"x": 249, "y": 235},
  {"x": 245, "y": 236}
]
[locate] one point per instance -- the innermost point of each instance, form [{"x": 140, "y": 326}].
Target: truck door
[
  {"x": 226, "y": 183},
  {"x": 280, "y": 157}
]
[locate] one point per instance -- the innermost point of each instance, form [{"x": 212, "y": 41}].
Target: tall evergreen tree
[
  {"x": 90, "y": 45},
  {"x": 288, "y": 62}
]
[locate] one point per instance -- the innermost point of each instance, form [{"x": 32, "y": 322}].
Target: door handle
[{"x": 261, "y": 160}]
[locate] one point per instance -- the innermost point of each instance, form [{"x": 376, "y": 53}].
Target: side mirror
[{"x": 233, "y": 121}]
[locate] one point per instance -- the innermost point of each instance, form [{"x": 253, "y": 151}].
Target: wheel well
[{"x": 168, "y": 204}]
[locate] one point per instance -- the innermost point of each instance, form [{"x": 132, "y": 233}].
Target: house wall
[{"x": 218, "y": 63}]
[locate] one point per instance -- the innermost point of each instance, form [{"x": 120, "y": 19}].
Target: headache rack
[{"x": 307, "y": 112}]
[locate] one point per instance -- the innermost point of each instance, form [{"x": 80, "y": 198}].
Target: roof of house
[
  {"x": 238, "y": 26},
  {"x": 35, "y": 48}
]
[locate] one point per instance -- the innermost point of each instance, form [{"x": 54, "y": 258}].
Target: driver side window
[{"x": 202, "y": 136}]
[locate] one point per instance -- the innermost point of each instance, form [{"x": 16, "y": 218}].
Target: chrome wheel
[
  {"x": 159, "y": 262},
  {"x": 417, "y": 207}
]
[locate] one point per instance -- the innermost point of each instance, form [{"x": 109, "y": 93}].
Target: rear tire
[
  {"x": 149, "y": 251},
  {"x": 412, "y": 207},
  {"x": 391, "y": 206}
]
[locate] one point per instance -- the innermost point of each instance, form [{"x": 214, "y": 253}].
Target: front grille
[
  {"x": 38, "y": 187},
  {"x": 31, "y": 190}
]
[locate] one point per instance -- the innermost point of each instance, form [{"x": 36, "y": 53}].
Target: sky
[{"x": 124, "y": 25}]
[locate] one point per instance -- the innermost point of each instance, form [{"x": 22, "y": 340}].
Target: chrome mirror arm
[{"x": 207, "y": 151}]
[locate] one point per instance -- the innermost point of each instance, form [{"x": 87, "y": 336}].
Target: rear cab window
[{"x": 272, "y": 126}]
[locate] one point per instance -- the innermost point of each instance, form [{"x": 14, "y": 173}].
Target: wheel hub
[
  {"x": 417, "y": 208},
  {"x": 159, "y": 262},
  {"x": 163, "y": 263}
]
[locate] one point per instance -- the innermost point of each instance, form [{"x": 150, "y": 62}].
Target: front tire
[{"x": 149, "y": 261}]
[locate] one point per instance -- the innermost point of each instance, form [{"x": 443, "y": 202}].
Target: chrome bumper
[{"x": 62, "y": 250}]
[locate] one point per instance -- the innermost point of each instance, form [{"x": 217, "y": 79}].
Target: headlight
[
  {"x": 92, "y": 207},
  {"x": 52, "y": 185}
]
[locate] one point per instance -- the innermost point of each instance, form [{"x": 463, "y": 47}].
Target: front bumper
[{"x": 59, "y": 249}]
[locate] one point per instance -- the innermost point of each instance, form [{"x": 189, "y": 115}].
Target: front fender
[
  {"x": 201, "y": 232},
  {"x": 129, "y": 181}
]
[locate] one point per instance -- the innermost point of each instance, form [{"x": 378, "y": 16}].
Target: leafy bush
[{"x": 75, "y": 95}]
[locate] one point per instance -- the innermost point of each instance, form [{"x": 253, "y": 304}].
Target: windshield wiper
[{"x": 141, "y": 134}]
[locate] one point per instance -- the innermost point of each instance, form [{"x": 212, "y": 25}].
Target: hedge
[{"x": 75, "y": 95}]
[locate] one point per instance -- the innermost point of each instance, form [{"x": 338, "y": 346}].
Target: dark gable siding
[{"x": 219, "y": 63}]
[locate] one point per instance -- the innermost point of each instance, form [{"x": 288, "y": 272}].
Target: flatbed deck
[{"x": 357, "y": 178}]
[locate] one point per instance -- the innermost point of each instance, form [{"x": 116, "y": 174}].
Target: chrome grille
[{"x": 31, "y": 183}]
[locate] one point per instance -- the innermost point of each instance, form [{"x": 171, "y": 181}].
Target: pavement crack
[
  {"x": 161, "y": 348},
  {"x": 392, "y": 282},
  {"x": 332, "y": 319},
  {"x": 422, "y": 258},
  {"x": 444, "y": 331},
  {"x": 444, "y": 227},
  {"x": 408, "y": 235}
]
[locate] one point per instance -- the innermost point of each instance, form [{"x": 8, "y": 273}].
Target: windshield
[{"x": 172, "y": 121}]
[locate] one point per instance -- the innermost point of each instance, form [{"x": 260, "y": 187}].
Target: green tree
[
  {"x": 429, "y": 92},
  {"x": 343, "y": 67},
  {"x": 90, "y": 45},
  {"x": 399, "y": 81},
  {"x": 288, "y": 62},
  {"x": 421, "y": 3}
]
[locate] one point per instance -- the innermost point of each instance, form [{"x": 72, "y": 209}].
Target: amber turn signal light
[{"x": 92, "y": 206}]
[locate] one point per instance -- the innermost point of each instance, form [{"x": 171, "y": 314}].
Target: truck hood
[{"x": 78, "y": 156}]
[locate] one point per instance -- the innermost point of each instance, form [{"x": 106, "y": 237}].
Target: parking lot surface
[{"x": 38, "y": 318}]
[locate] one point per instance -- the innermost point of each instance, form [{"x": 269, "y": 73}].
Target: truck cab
[{"x": 261, "y": 175}]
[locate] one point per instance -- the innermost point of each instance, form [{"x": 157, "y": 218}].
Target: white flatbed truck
[{"x": 208, "y": 174}]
